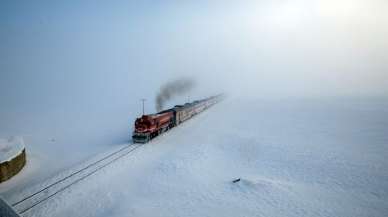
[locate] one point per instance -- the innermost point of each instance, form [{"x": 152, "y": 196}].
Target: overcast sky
[{"x": 68, "y": 52}]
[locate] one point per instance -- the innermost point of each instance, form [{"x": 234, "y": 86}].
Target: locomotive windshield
[{"x": 140, "y": 136}]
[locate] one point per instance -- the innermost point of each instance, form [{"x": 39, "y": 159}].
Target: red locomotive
[{"x": 150, "y": 126}]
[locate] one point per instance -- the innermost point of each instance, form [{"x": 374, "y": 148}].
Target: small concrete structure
[
  {"x": 12, "y": 157},
  {"x": 6, "y": 210}
]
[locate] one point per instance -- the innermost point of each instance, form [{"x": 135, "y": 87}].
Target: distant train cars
[{"x": 150, "y": 126}]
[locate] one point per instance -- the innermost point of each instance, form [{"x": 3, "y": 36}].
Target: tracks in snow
[{"x": 35, "y": 199}]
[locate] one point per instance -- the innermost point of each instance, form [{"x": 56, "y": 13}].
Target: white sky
[
  {"x": 61, "y": 52},
  {"x": 300, "y": 48}
]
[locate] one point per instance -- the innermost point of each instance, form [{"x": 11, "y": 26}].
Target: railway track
[{"x": 35, "y": 199}]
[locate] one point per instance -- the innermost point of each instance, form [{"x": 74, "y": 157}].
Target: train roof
[{"x": 189, "y": 104}]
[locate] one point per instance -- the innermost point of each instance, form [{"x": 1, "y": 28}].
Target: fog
[{"x": 85, "y": 60}]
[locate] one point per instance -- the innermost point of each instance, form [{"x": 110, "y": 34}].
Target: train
[{"x": 150, "y": 126}]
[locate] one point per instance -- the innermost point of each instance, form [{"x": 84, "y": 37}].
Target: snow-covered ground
[
  {"x": 294, "y": 158},
  {"x": 59, "y": 139}
]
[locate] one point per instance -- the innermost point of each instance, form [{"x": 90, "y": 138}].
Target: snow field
[{"x": 301, "y": 159}]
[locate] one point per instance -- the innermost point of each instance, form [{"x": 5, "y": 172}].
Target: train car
[
  {"x": 200, "y": 107},
  {"x": 182, "y": 114}
]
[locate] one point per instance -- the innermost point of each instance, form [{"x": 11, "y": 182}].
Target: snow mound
[{"x": 10, "y": 148}]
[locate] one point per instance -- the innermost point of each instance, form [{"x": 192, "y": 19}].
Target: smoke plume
[{"x": 172, "y": 89}]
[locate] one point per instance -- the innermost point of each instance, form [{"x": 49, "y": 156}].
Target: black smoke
[{"x": 172, "y": 89}]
